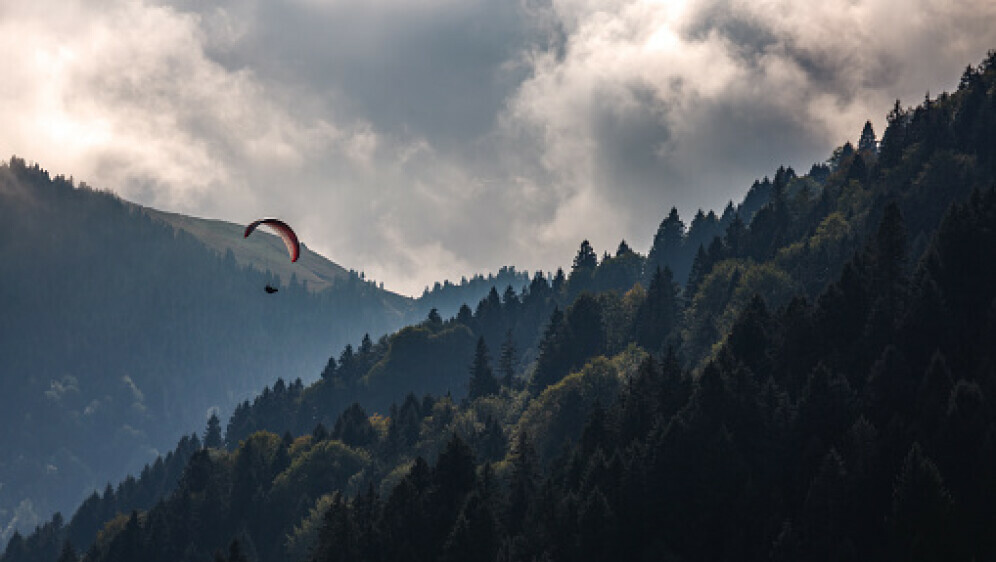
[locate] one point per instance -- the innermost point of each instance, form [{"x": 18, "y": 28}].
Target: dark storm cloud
[
  {"x": 420, "y": 140},
  {"x": 442, "y": 69}
]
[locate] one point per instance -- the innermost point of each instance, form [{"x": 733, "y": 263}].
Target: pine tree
[
  {"x": 482, "y": 379},
  {"x": 583, "y": 269},
  {"x": 506, "y": 360},
  {"x": 212, "y": 435},
  {"x": 701, "y": 266},
  {"x": 623, "y": 249},
  {"x": 539, "y": 288},
  {"x": 921, "y": 521},
  {"x": 596, "y": 526},
  {"x": 559, "y": 280},
  {"x": 889, "y": 253},
  {"x": 347, "y": 363},
  {"x": 658, "y": 314},
  {"x": 68, "y": 553},
  {"x": 434, "y": 319},
  {"x": 328, "y": 373},
  {"x": 667, "y": 245},
  {"x": 523, "y": 483},
  {"x": 509, "y": 298},
  {"x": 586, "y": 259},
  {"x": 895, "y": 136},
  {"x": 465, "y": 316},
  {"x": 735, "y": 239},
  {"x": 319, "y": 433},
  {"x": 867, "y": 143},
  {"x": 552, "y": 354},
  {"x": 353, "y": 427},
  {"x": 887, "y": 258},
  {"x": 858, "y": 171},
  {"x": 825, "y": 510},
  {"x": 474, "y": 537},
  {"x": 452, "y": 479}
]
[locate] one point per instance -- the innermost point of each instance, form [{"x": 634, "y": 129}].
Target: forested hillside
[
  {"x": 820, "y": 386},
  {"x": 118, "y": 333}
]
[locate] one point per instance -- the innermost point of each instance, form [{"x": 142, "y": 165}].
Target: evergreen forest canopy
[{"x": 809, "y": 375}]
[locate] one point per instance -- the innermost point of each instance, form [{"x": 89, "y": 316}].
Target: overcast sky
[{"x": 419, "y": 140}]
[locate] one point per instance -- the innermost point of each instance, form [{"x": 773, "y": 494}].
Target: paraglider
[{"x": 285, "y": 232}]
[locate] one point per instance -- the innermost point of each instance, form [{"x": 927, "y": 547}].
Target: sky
[{"x": 422, "y": 140}]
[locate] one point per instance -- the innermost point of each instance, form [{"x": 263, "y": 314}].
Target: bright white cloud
[{"x": 426, "y": 140}]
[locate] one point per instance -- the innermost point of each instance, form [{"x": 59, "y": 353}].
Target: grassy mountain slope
[{"x": 263, "y": 250}]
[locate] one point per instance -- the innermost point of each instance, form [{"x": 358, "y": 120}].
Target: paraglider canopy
[{"x": 285, "y": 232}]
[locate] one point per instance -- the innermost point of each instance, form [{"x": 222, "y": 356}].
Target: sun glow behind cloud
[{"x": 426, "y": 140}]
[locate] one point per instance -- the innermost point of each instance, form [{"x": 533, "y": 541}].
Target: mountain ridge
[{"x": 263, "y": 250}]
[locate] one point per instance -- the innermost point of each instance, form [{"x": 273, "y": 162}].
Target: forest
[{"x": 806, "y": 376}]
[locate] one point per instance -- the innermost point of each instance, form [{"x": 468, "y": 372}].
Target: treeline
[{"x": 447, "y": 297}]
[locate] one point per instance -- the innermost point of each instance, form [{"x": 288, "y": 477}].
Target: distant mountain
[
  {"x": 122, "y": 326},
  {"x": 263, "y": 251}
]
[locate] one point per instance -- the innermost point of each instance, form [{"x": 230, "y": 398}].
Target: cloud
[
  {"x": 651, "y": 104},
  {"x": 421, "y": 140}
]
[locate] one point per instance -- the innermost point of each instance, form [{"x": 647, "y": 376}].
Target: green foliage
[
  {"x": 482, "y": 377},
  {"x": 328, "y": 465},
  {"x": 620, "y": 272},
  {"x": 666, "y": 250},
  {"x": 724, "y": 293},
  {"x": 569, "y": 340},
  {"x": 419, "y": 360},
  {"x": 353, "y": 427},
  {"x": 658, "y": 314},
  {"x": 558, "y": 413}
]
